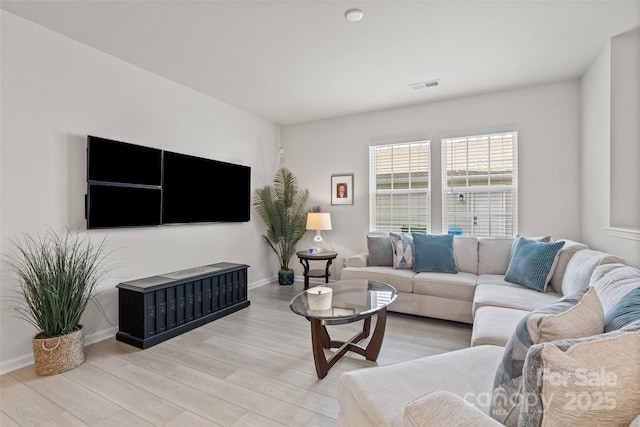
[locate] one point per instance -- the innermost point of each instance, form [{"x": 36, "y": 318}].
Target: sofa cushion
[
  {"x": 626, "y": 311},
  {"x": 591, "y": 381},
  {"x": 569, "y": 248},
  {"x": 433, "y": 253},
  {"x": 494, "y": 255},
  {"x": 402, "y": 280},
  {"x": 465, "y": 250},
  {"x": 495, "y": 279},
  {"x": 443, "y": 408},
  {"x": 516, "y": 297},
  {"x": 570, "y": 317},
  {"x": 402, "y": 244},
  {"x": 379, "y": 249},
  {"x": 614, "y": 281},
  {"x": 377, "y": 396},
  {"x": 532, "y": 263},
  {"x": 460, "y": 286},
  {"x": 580, "y": 267},
  {"x": 495, "y": 325}
]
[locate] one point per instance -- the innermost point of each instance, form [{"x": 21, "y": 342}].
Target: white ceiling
[{"x": 295, "y": 61}]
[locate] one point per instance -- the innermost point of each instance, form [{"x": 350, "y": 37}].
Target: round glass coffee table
[{"x": 351, "y": 301}]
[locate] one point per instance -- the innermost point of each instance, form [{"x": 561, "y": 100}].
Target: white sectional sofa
[
  {"x": 455, "y": 388},
  {"x": 482, "y": 264}
]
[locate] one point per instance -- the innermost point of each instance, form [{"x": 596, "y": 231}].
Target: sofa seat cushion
[
  {"x": 378, "y": 396},
  {"x": 455, "y": 286},
  {"x": 443, "y": 408},
  {"x": 495, "y": 325},
  {"x": 401, "y": 279},
  {"x": 495, "y": 279},
  {"x": 519, "y": 298}
]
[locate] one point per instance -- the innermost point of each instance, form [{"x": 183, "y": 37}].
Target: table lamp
[{"x": 319, "y": 221}]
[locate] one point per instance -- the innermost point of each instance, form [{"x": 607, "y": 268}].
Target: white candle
[{"x": 319, "y": 297}]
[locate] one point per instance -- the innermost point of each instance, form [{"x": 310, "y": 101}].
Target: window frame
[
  {"x": 489, "y": 189},
  {"x": 374, "y": 192}
]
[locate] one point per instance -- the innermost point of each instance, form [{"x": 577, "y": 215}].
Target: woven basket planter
[{"x": 58, "y": 354}]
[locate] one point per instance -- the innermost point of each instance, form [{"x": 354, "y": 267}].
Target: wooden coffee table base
[{"x": 320, "y": 341}]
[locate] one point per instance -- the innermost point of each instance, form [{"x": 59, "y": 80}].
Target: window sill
[{"x": 624, "y": 233}]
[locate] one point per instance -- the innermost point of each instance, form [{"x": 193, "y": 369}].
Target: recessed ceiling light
[
  {"x": 422, "y": 85},
  {"x": 354, "y": 15}
]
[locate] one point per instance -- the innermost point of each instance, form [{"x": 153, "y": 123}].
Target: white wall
[
  {"x": 547, "y": 118},
  {"x": 600, "y": 161},
  {"x": 55, "y": 91},
  {"x": 625, "y": 130}
]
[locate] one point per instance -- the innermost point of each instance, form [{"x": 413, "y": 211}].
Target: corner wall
[{"x": 55, "y": 91}]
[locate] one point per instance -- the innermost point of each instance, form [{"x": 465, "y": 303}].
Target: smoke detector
[{"x": 353, "y": 15}]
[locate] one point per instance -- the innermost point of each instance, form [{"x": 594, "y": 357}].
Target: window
[
  {"x": 480, "y": 184},
  {"x": 399, "y": 192}
]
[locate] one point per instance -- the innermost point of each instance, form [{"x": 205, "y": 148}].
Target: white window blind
[
  {"x": 480, "y": 184},
  {"x": 399, "y": 187}
]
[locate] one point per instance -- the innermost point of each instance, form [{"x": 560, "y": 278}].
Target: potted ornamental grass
[
  {"x": 282, "y": 207},
  {"x": 58, "y": 274}
]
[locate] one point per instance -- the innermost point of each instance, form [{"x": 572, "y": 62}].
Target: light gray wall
[
  {"x": 55, "y": 91},
  {"x": 625, "y": 130},
  {"x": 601, "y": 154},
  {"x": 547, "y": 118}
]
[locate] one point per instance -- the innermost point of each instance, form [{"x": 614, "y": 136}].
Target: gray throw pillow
[{"x": 380, "y": 250}]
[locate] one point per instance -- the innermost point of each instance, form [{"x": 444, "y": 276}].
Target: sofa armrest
[
  {"x": 359, "y": 260},
  {"x": 440, "y": 408}
]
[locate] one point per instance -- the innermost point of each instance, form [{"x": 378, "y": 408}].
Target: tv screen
[
  {"x": 122, "y": 206},
  {"x": 121, "y": 162},
  {"x": 203, "y": 190}
]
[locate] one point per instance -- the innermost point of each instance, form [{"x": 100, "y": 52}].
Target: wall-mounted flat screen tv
[
  {"x": 195, "y": 189},
  {"x": 134, "y": 186}
]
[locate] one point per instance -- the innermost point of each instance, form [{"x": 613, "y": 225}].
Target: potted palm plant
[
  {"x": 282, "y": 207},
  {"x": 58, "y": 274}
]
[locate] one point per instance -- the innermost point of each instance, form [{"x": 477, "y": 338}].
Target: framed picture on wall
[{"x": 342, "y": 189}]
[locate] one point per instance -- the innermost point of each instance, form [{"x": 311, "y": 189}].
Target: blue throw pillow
[
  {"x": 434, "y": 253},
  {"x": 625, "y": 312},
  {"x": 532, "y": 263}
]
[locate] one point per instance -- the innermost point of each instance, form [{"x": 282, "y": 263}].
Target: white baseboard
[{"x": 7, "y": 366}]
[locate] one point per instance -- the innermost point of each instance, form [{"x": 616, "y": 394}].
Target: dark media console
[{"x": 154, "y": 309}]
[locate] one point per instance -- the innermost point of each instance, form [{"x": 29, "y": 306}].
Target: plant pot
[
  {"x": 58, "y": 354},
  {"x": 285, "y": 277}
]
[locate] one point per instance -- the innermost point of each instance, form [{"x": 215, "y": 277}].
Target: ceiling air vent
[{"x": 422, "y": 85}]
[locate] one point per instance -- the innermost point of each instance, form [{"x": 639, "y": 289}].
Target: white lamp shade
[{"x": 318, "y": 221}]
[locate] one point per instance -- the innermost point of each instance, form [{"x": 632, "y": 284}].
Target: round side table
[{"x": 305, "y": 257}]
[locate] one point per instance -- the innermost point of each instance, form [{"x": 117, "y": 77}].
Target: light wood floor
[{"x": 251, "y": 368}]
